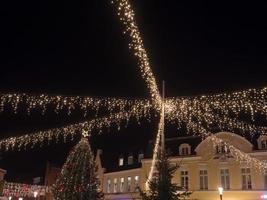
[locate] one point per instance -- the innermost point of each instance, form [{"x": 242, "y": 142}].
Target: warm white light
[
  {"x": 20, "y": 198},
  {"x": 220, "y": 189},
  {"x": 9, "y": 198},
  {"x": 35, "y": 194}
]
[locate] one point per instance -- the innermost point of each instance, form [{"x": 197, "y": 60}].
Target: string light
[
  {"x": 43, "y": 102},
  {"x": 249, "y": 102},
  {"x": 126, "y": 14},
  {"x": 69, "y": 132},
  {"x": 238, "y": 155},
  {"x": 155, "y": 150},
  {"x": 222, "y": 110}
]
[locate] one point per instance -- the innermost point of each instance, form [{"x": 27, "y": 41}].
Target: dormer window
[
  {"x": 262, "y": 142},
  {"x": 121, "y": 161},
  {"x": 130, "y": 159},
  {"x": 140, "y": 156},
  {"x": 184, "y": 149},
  {"x": 222, "y": 148}
]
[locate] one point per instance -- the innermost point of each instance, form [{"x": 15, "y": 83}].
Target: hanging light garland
[
  {"x": 59, "y": 103},
  {"x": 27, "y": 140},
  {"x": 127, "y": 17},
  {"x": 196, "y": 112},
  {"x": 155, "y": 150}
]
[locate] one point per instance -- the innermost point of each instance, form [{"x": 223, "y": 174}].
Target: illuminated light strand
[
  {"x": 155, "y": 151},
  {"x": 115, "y": 119},
  {"x": 126, "y": 14},
  {"x": 70, "y": 103},
  {"x": 250, "y": 101},
  {"x": 193, "y": 111},
  {"x": 238, "y": 155}
]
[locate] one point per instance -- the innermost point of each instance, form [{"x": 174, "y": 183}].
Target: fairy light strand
[
  {"x": 127, "y": 17},
  {"x": 155, "y": 151},
  {"x": 238, "y": 155},
  {"x": 27, "y": 140},
  {"x": 59, "y": 103}
]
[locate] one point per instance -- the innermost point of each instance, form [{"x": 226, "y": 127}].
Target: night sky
[{"x": 77, "y": 48}]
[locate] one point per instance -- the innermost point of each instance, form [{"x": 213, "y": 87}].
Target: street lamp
[
  {"x": 35, "y": 194},
  {"x": 220, "y": 189}
]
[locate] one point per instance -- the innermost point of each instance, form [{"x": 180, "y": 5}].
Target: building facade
[{"x": 203, "y": 168}]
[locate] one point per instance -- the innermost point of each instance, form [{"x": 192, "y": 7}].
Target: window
[
  {"x": 129, "y": 183},
  {"x": 109, "y": 186},
  {"x": 225, "y": 179},
  {"x": 122, "y": 185},
  {"x": 140, "y": 156},
  {"x": 184, "y": 179},
  {"x": 136, "y": 182},
  {"x": 121, "y": 161},
  {"x": 264, "y": 144},
  {"x": 130, "y": 159},
  {"x": 246, "y": 179},
  {"x": 265, "y": 180},
  {"x": 222, "y": 148},
  {"x": 203, "y": 175},
  {"x": 184, "y": 149},
  {"x": 115, "y": 185}
]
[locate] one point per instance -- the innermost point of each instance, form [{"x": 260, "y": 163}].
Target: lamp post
[
  {"x": 35, "y": 194},
  {"x": 220, "y": 189}
]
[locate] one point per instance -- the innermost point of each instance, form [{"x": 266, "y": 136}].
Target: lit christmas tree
[
  {"x": 78, "y": 179},
  {"x": 161, "y": 186}
]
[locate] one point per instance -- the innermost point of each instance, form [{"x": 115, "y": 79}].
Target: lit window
[
  {"x": 109, "y": 186},
  {"x": 115, "y": 185},
  {"x": 136, "y": 182},
  {"x": 130, "y": 159},
  {"x": 129, "y": 183},
  {"x": 122, "y": 185},
  {"x": 225, "y": 179},
  {"x": 203, "y": 176},
  {"x": 265, "y": 180},
  {"x": 246, "y": 179},
  {"x": 121, "y": 161},
  {"x": 184, "y": 179}
]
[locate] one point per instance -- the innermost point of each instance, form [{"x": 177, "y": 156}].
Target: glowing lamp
[
  {"x": 35, "y": 194},
  {"x": 220, "y": 189}
]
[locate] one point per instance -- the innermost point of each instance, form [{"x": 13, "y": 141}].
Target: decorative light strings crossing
[{"x": 200, "y": 114}]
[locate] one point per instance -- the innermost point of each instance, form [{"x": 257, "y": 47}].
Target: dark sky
[{"x": 77, "y": 47}]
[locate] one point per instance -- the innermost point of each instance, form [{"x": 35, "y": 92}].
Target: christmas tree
[
  {"x": 161, "y": 186},
  {"x": 78, "y": 179}
]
